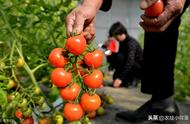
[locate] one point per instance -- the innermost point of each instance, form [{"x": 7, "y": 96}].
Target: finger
[
  {"x": 146, "y": 3},
  {"x": 69, "y": 23},
  {"x": 149, "y": 21},
  {"x": 88, "y": 36},
  {"x": 148, "y": 28},
  {"x": 161, "y": 20},
  {"x": 79, "y": 23},
  {"x": 89, "y": 31}
]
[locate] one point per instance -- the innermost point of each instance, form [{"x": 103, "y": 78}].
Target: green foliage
[
  {"x": 182, "y": 65},
  {"x": 3, "y": 98},
  {"x": 37, "y": 25},
  {"x": 141, "y": 38}
]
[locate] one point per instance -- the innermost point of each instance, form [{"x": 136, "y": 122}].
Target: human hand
[
  {"x": 159, "y": 24},
  {"x": 82, "y": 19},
  {"x": 117, "y": 82}
]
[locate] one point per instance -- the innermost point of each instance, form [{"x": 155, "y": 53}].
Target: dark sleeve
[
  {"x": 106, "y": 5},
  {"x": 130, "y": 60}
]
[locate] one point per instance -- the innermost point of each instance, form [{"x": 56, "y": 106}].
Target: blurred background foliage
[{"x": 182, "y": 65}]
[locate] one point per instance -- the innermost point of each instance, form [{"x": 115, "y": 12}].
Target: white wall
[{"x": 125, "y": 11}]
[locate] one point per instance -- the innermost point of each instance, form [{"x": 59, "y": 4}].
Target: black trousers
[{"x": 159, "y": 58}]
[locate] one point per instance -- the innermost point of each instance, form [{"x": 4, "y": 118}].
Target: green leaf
[
  {"x": 3, "y": 98},
  {"x": 54, "y": 94}
]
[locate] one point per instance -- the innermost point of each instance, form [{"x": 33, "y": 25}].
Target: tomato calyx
[{"x": 72, "y": 34}]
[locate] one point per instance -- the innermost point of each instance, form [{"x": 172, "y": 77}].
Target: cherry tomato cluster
[{"x": 77, "y": 75}]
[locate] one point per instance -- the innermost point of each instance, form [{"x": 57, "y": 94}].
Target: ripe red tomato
[
  {"x": 73, "y": 112},
  {"x": 89, "y": 102},
  {"x": 70, "y": 93},
  {"x": 76, "y": 44},
  {"x": 60, "y": 77},
  {"x": 94, "y": 58},
  {"x": 18, "y": 113},
  {"x": 56, "y": 58},
  {"x": 94, "y": 80},
  {"x": 28, "y": 120},
  {"x": 156, "y": 9}
]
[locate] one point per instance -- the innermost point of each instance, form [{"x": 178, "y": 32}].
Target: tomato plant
[
  {"x": 32, "y": 38},
  {"x": 94, "y": 58},
  {"x": 60, "y": 77},
  {"x": 70, "y": 92},
  {"x": 56, "y": 58},
  {"x": 156, "y": 9},
  {"x": 73, "y": 112},
  {"x": 30, "y": 29},
  {"x": 76, "y": 44},
  {"x": 90, "y": 102},
  {"x": 94, "y": 80}
]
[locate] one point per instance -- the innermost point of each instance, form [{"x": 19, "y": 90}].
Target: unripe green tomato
[
  {"x": 2, "y": 65},
  {"x": 28, "y": 112},
  {"x": 11, "y": 84},
  {"x": 41, "y": 100},
  {"x": 20, "y": 63},
  {"x": 22, "y": 103},
  {"x": 59, "y": 119},
  {"x": 100, "y": 111},
  {"x": 37, "y": 90},
  {"x": 10, "y": 97},
  {"x": 43, "y": 106}
]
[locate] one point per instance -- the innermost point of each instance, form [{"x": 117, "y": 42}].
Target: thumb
[{"x": 146, "y": 3}]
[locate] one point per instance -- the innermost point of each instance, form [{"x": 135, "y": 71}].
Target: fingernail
[{"x": 143, "y": 4}]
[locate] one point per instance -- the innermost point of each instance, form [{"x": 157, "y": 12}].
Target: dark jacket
[{"x": 129, "y": 57}]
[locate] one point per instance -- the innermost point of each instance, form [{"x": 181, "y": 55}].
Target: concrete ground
[{"x": 131, "y": 99}]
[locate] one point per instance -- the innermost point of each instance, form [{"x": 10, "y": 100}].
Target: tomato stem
[
  {"x": 38, "y": 67},
  {"x": 31, "y": 74},
  {"x": 13, "y": 46}
]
